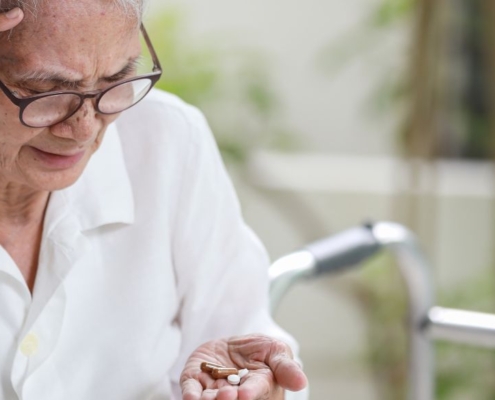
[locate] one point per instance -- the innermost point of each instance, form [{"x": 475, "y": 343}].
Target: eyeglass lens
[
  {"x": 50, "y": 110},
  {"x": 123, "y": 96}
]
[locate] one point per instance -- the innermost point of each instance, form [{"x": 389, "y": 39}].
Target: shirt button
[{"x": 29, "y": 346}]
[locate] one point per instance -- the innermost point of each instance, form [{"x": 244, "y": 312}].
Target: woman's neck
[
  {"x": 20, "y": 205},
  {"x": 22, "y": 210}
]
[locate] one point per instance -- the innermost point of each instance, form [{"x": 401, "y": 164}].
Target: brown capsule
[
  {"x": 222, "y": 373},
  {"x": 208, "y": 366}
]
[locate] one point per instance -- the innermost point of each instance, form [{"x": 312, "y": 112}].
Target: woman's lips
[{"x": 57, "y": 161}]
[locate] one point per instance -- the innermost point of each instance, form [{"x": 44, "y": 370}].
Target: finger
[
  {"x": 208, "y": 394},
  {"x": 191, "y": 389},
  {"x": 272, "y": 352},
  {"x": 256, "y": 386},
  {"x": 10, "y": 19},
  {"x": 227, "y": 392},
  {"x": 287, "y": 372}
]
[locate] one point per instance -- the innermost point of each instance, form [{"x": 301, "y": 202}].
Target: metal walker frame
[{"x": 426, "y": 321}]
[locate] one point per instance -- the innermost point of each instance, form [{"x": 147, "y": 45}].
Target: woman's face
[{"x": 80, "y": 45}]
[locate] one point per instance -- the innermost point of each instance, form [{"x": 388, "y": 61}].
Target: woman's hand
[
  {"x": 269, "y": 361},
  {"x": 10, "y": 19}
]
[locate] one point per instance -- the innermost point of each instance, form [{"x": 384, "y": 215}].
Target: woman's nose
[{"x": 82, "y": 126}]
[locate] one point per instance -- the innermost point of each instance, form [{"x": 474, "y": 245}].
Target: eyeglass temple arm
[{"x": 156, "y": 61}]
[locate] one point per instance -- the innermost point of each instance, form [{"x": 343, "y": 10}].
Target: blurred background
[{"x": 330, "y": 113}]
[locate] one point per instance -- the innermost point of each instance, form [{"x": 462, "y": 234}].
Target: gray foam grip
[{"x": 344, "y": 249}]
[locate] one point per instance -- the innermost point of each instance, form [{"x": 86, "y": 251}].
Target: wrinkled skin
[
  {"x": 7, "y": 22},
  {"x": 82, "y": 42},
  {"x": 271, "y": 365}
]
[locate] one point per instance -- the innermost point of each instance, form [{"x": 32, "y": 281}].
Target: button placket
[
  {"x": 44, "y": 321},
  {"x": 39, "y": 343},
  {"x": 48, "y": 327}
]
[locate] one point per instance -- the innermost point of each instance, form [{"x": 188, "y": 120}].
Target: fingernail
[{"x": 13, "y": 14}]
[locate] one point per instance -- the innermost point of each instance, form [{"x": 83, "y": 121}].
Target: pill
[
  {"x": 243, "y": 372},
  {"x": 233, "y": 379},
  {"x": 208, "y": 366},
  {"x": 222, "y": 373}
]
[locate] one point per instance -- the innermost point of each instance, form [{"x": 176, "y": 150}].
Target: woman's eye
[
  {"x": 33, "y": 92},
  {"x": 25, "y": 92}
]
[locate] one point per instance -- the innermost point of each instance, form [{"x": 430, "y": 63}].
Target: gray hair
[{"x": 129, "y": 7}]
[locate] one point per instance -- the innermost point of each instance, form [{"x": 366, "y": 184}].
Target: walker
[{"x": 426, "y": 321}]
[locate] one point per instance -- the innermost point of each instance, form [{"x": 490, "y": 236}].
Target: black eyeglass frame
[{"x": 153, "y": 76}]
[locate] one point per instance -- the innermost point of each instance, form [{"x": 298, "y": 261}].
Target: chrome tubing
[
  {"x": 416, "y": 273},
  {"x": 286, "y": 271},
  {"x": 460, "y": 326}
]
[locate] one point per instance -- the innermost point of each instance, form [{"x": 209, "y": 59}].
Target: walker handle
[{"x": 343, "y": 250}]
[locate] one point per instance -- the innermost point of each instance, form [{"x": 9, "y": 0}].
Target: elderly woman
[{"x": 124, "y": 260}]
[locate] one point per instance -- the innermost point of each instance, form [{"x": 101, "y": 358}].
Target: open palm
[{"x": 269, "y": 361}]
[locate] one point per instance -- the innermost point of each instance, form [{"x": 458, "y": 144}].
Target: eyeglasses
[{"x": 50, "y": 108}]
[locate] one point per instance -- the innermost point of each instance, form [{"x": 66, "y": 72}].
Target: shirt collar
[{"x": 103, "y": 194}]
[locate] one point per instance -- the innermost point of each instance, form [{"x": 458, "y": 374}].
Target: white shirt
[{"x": 142, "y": 260}]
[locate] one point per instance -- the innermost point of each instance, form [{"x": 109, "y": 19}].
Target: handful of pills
[{"x": 233, "y": 375}]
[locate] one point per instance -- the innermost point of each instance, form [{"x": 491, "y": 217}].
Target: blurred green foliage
[
  {"x": 191, "y": 72},
  {"x": 389, "y": 12},
  {"x": 231, "y": 85}
]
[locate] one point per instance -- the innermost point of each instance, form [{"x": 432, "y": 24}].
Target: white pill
[
  {"x": 233, "y": 379},
  {"x": 243, "y": 372}
]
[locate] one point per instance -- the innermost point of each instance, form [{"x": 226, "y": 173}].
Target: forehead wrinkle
[
  {"x": 30, "y": 62},
  {"x": 57, "y": 78},
  {"x": 40, "y": 75},
  {"x": 45, "y": 74}
]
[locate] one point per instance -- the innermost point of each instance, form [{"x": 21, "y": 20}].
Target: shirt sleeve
[{"x": 220, "y": 264}]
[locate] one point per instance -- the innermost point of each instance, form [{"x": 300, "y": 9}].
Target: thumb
[
  {"x": 10, "y": 19},
  {"x": 287, "y": 371}
]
